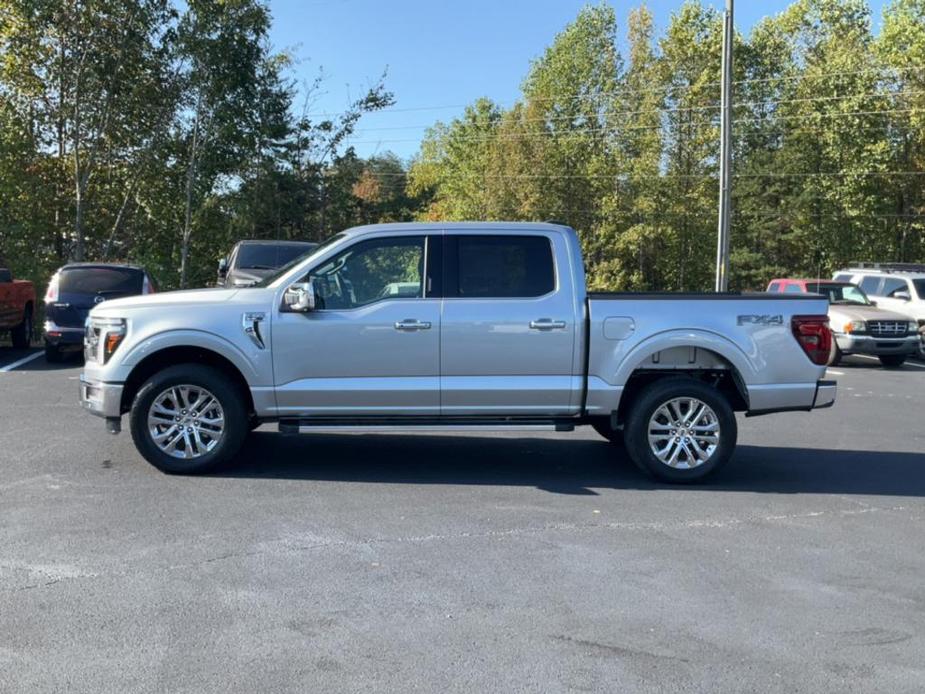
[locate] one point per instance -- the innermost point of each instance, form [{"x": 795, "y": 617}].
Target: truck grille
[{"x": 887, "y": 328}]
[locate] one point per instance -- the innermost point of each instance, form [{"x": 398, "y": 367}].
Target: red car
[{"x": 17, "y": 306}]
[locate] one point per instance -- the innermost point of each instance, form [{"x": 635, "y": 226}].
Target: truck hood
[
  {"x": 846, "y": 312},
  {"x": 177, "y": 298}
]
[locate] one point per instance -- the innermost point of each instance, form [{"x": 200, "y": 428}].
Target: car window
[
  {"x": 5, "y": 275},
  {"x": 839, "y": 293},
  {"x": 268, "y": 256},
  {"x": 100, "y": 280},
  {"x": 774, "y": 287},
  {"x": 370, "y": 271},
  {"x": 503, "y": 267},
  {"x": 793, "y": 288},
  {"x": 843, "y": 277},
  {"x": 919, "y": 288},
  {"x": 891, "y": 285},
  {"x": 870, "y": 284}
]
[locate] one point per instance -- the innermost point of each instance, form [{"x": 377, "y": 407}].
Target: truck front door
[{"x": 371, "y": 346}]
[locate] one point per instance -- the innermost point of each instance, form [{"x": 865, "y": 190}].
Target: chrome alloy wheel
[
  {"x": 684, "y": 433},
  {"x": 186, "y": 421}
]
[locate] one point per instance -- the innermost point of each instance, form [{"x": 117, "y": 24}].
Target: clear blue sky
[{"x": 438, "y": 53}]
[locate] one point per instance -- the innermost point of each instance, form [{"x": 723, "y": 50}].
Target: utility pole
[{"x": 725, "y": 155}]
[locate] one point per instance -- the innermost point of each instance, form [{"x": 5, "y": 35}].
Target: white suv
[{"x": 896, "y": 286}]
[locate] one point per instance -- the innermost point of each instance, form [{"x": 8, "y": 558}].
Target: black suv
[
  {"x": 251, "y": 261},
  {"x": 76, "y": 288}
]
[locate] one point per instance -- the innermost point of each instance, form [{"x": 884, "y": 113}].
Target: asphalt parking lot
[{"x": 472, "y": 563}]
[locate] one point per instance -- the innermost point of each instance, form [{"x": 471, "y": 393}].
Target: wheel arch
[{"x": 183, "y": 354}]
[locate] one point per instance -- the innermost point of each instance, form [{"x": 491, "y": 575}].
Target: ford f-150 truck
[
  {"x": 17, "y": 307},
  {"x": 451, "y": 326}
]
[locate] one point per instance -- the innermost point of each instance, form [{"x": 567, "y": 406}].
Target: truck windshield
[
  {"x": 268, "y": 280},
  {"x": 839, "y": 293},
  {"x": 267, "y": 256}
]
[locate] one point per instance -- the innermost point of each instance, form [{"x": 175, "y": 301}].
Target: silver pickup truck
[{"x": 451, "y": 326}]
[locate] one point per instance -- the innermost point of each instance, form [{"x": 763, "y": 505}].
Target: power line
[{"x": 648, "y": 90}]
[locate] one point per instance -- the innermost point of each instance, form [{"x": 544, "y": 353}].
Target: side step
[{"x": 312, "y": 425}]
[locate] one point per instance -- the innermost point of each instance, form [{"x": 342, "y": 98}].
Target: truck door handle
[
  {"x": 547, "y": 324},
  {"x": 411, "y": 324}
]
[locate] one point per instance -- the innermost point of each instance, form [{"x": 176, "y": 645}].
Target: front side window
[
  {"x": 840, "y": 293},
  {"x": 370, "y": 271},
  {"x": 502, "y": 267},
  {"x": 891, "y": 285}
]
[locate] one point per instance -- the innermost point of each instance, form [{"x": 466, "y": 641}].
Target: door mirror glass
[
  {"x": 299, "y": 298},
  {"x": 902, "y": 296},
  {"x": 223, "y": 267}
]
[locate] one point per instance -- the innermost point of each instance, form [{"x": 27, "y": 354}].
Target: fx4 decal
[{"x": 761, "y": 320}]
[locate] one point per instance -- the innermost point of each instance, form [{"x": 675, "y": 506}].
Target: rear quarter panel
[{"x": 751, "y": 333}]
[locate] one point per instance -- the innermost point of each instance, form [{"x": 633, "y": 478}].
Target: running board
[{"x": 411, "y": 424}]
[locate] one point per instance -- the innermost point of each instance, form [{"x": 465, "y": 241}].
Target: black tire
[
  {"x": 53, "y": 355},
  {"x": 236, "y": 421},
  {"x": 653, "y": 397},
  {"x": 21, "y": 335},
  {"x": 837, "y": 357},
  {"x": 892, "y": 361}
]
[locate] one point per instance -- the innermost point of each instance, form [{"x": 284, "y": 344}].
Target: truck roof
[
  {"x": 457, "y": 226},
  {"x": 273, "y": 242}
]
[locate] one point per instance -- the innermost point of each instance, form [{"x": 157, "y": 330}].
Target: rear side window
[
  {"x": 774, "y": 287},
  {"x": 870, "y": 285},
  {"x": 499, "y": 267},
  {"x": 843, "y": 277},
  {"x": 94, "y": 280}
]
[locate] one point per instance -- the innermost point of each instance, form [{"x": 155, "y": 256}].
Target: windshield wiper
[{"x": 256, "y": 267}]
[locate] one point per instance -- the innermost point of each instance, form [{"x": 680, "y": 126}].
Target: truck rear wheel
[
  {"x": 21, "y": 335},
  {"x": 188, "y": 419},
  {"x": 680, "y": 430}
]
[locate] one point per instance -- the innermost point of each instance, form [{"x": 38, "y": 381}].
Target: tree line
[{"x": 161, "y": 132}]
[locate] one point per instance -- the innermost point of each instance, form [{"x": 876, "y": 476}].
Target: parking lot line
[{"x": 20, "y": 362}]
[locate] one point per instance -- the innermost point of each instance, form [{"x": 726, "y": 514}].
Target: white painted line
[
  {"x": 20, "y": 362},
  {"x": 912, "y": 363},
  {"x": 834, "y": 372},
  {"x": 865, "y": 356}
]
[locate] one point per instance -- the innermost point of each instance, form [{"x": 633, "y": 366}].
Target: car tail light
[
  {"x": 814, "y": 336},
  {"x": 51, "y": 294}
]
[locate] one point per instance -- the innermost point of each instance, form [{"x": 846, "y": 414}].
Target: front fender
[{"x": 190, "y": 338}]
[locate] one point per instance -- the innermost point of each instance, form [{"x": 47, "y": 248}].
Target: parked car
[
  {"x": 251, "y": 261},
  {"x": 17, "y": 308},
  {"x": 76, "y": 288},
  {"x": 859, "y": 325},
  {"x": 499, "y": 332},
  {"x": 896, "y": 286}
]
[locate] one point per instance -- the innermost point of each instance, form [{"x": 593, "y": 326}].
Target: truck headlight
[
  {"x": 103, "y": 337},
  {"x": 913, "y": 326},
  {"x": 855, "y": 326}
]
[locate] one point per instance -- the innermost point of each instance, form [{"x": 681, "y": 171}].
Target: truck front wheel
[
  {"x": 188, "y": 419},
  {"x": 680, "y": 430}
]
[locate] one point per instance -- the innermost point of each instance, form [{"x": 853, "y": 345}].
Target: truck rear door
[{"x": 509, "y": 326}]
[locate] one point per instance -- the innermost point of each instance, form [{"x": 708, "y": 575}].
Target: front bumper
[
  {"x": 875, "y": 346},
  {"x": 101, "y": 399}
]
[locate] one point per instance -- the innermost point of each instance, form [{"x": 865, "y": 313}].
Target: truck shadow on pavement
[{"x": 563, "y": 466}]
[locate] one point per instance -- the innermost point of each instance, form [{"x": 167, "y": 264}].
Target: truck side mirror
[
  {"x": 902, "y": 296},
  {"x": 299, "y": 298},
  {"x": 223, "y": 267}
]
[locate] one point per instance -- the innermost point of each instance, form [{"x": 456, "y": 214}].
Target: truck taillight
[
  {"x": 51, "y": 294},
  {"x": 814, "y": 336}
]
